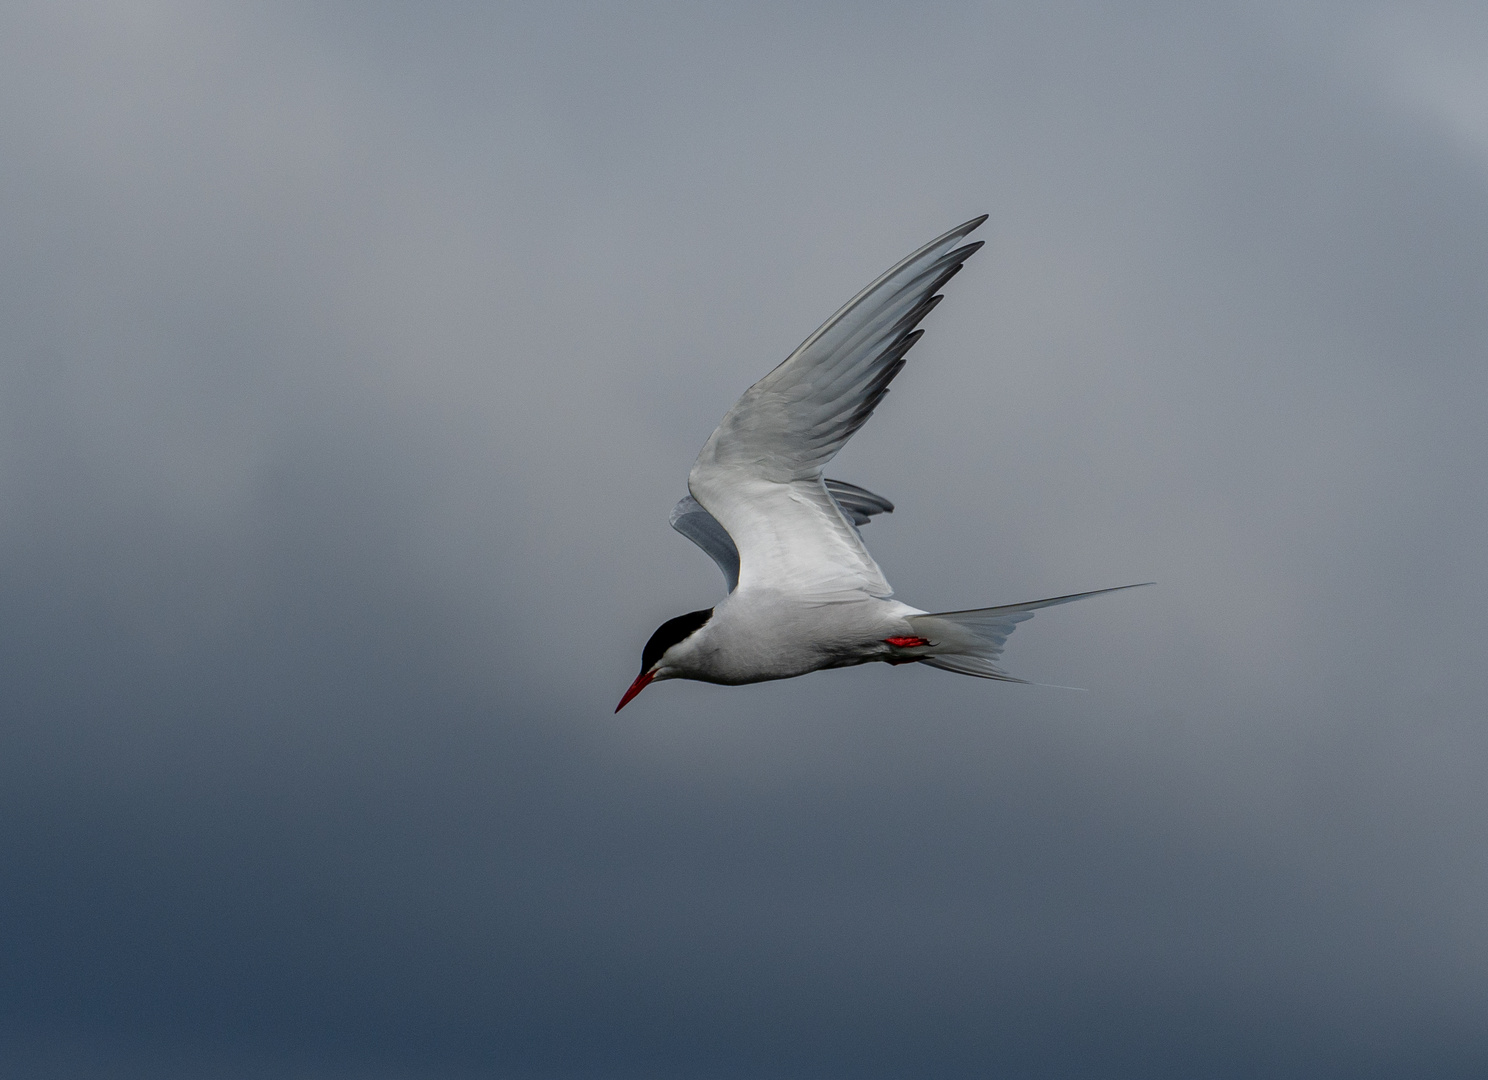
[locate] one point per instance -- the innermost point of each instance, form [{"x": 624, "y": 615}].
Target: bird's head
[{"x": 670, "y": 636}]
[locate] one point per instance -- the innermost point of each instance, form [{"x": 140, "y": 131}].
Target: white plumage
[{"x": 804, "y": 594}]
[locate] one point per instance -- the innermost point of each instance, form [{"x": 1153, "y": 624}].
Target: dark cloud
[{"x": 353, "y": 356}]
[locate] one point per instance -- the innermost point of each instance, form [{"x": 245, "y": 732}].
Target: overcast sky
[{"x": 352, "y": 356}]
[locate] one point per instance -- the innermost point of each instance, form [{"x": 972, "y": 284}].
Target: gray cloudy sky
[{"x": 352, "y": 355}]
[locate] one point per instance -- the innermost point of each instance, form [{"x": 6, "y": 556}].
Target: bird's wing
[
  {"x": 859, "y": 504},
  {"x": 759, "y": 475},
  {"x": 702, "y": 528},
  {"x": 699, "y": 526}
]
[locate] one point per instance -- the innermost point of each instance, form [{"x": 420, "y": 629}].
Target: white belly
[{"x": 761, "y": 634}]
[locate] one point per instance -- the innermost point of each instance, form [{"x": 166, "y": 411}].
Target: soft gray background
[{"x": 353, "y": 355}]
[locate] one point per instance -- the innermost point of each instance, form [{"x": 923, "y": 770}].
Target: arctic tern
[{"x": 804, "y": 594}]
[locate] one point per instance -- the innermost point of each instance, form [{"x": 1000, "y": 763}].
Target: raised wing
[
  {"x": 702, "y": 528},
  {"x": 759, "y": 474}
]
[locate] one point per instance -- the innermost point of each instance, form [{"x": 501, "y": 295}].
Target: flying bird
[{"x": 804, "y": 594}]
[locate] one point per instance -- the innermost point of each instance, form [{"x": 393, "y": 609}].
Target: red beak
[{"x": 643, "y": 680}]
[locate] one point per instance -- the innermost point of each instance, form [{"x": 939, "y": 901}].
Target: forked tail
[{"x": 971, "y": 642}]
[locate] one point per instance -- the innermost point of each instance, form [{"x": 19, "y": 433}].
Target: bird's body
[
  {"x": 805, "y": 635},
  {"x": 804, "y": 594}
]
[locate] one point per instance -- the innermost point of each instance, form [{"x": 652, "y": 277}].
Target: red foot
[{"x": 906, "y": 642}]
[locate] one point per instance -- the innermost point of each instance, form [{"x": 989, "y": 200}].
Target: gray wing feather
[
  {"x": 858, "y": 504},
  {"x": 760, "y": 473},
  {"x": 702, "y": 528},
  {"x": 790, "y": 423}
]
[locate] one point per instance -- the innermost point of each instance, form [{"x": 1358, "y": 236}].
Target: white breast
[{"x": 761, "y": 634}]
